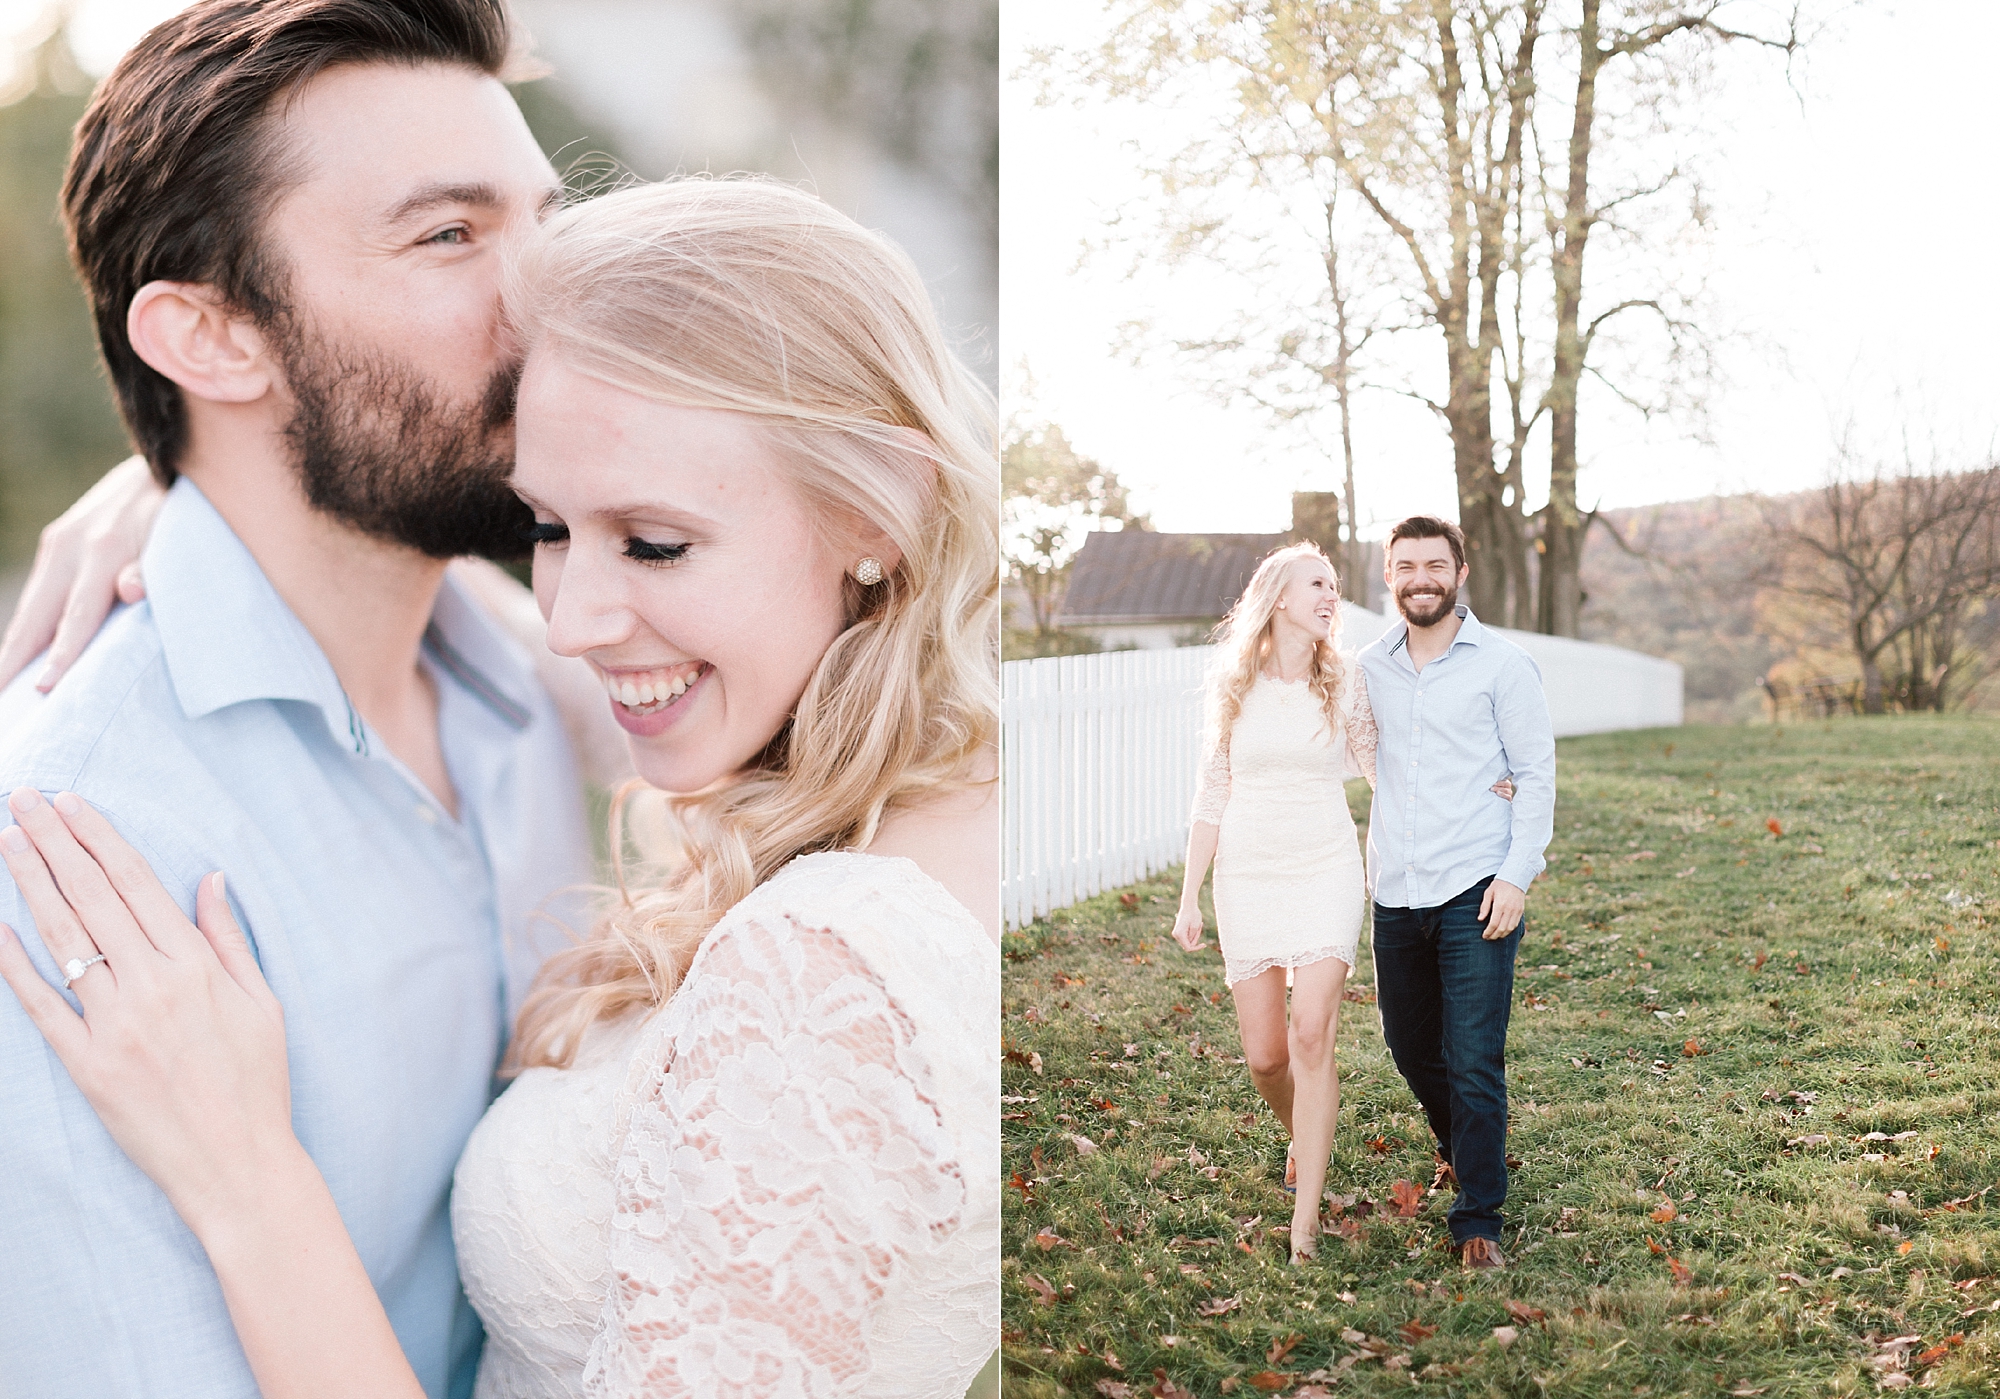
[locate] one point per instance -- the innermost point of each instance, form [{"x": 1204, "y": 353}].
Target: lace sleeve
[
  {"x": 1211, "y": 789},
  {"x": 1361, "y": 732},
  {"x": 778, "y": 1168}
]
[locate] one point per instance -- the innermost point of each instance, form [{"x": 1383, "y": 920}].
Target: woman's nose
[{"x": 585, "y": 605}]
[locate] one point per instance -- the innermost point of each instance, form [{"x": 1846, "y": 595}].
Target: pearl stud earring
[{"x": 868, "y": 572}]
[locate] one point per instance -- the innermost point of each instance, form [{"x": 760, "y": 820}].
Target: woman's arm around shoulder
[
  {"x": 1362, "y": 737},
  {"x": 783, "y": 1162}
]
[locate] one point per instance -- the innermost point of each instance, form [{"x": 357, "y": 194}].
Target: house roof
[{"x": 1140, "y": 576}]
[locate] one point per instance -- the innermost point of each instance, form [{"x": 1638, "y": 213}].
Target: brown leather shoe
[{"x": 1482, "y": 1252}]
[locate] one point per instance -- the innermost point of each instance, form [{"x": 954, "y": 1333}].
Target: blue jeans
[{"x": 1445, "y": 994}]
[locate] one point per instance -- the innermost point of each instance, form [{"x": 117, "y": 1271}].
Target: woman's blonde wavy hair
[
  {"x": 1243, "y": 641},
  {"x": 757, "y": 298}
]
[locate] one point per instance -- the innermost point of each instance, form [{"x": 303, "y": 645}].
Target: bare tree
[
  {"x": 1427, "y": 112},
  {"x": 1891, "y": 563},
  {"x": 1631, "y": 32}
]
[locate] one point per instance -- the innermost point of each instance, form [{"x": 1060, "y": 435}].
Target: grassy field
[{"x": 1754, "y": 1090}]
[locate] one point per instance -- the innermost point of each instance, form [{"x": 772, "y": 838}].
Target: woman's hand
[
  {"x": 87, "y": 561},
  {"x": 1188, "y": 926},
  {"x": 1505, "y": 788},
  {"x": 181, "y": 1045}
]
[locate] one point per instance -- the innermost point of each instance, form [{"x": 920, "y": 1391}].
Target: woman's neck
[{"x": 1289, "y": 658}]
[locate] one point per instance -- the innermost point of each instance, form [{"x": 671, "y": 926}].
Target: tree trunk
[
  {"x": 1353, "y": 581},
  {"x": 1562, "y": 523}
]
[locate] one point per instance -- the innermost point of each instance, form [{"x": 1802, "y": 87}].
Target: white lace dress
[
  {"x": 1288, "y": 871},
  {"x": 784, "y": 1182}
]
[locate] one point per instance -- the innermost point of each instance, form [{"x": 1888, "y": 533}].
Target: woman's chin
[{"x": 672, "y": 772}]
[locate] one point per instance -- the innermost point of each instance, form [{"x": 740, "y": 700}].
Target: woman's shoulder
[{"x": 904, "y": 924}]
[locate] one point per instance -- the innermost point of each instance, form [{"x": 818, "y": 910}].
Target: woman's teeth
[{"x": 649, "y": 691}]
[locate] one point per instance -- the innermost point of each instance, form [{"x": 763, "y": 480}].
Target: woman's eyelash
[
  {"x": 545, "y": 532},
  {"x": 645, "y": 551}
]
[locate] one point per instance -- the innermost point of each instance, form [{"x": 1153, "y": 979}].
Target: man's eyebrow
[{"x": 427, "y": 197}]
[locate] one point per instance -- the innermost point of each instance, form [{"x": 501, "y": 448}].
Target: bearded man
[
  {"x": 289, "y": 216},
  {"x": 1458, "y": 707}
]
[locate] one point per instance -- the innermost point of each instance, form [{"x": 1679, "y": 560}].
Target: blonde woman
[
  {"x": 750, "y": 1146},
  {"x": 1288, "y": 723}
]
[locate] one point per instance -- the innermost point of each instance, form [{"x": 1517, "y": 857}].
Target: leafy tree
[{"x": 1052, "y": 498}]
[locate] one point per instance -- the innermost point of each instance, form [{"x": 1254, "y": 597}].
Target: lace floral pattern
[
  {"x": 785, "y": 1160},
  {"x": 1235, "y": 971},
  {"x": 801, "y": 1183},
  {"x": 1362, "y": 736},
  {"x": 1211, "y": 791}
]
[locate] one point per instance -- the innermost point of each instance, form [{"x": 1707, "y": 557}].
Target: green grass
[{"x": 1834, "y": 980}]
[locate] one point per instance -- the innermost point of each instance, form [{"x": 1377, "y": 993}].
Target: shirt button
[{"x": 426, "y": 815}]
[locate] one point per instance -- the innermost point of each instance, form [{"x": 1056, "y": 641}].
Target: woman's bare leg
[
  {"x": 1315, "y": 1023},
  {"x": 1260, "y": 1019}
]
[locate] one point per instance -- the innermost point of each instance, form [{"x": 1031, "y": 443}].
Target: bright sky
[{"x": 1853, "y": 259}]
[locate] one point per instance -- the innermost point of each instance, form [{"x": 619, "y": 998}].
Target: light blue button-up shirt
[
  {"x": 209, "y": 727},
  {"x": 1446, "y": 735}
]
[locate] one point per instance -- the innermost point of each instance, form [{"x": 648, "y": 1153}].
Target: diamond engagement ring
[{"x": 77, "y": 966}]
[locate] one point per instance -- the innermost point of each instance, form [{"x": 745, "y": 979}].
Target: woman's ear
[
  {"x": 183, "y": 331},
  {"x": 915, "y": 458}
]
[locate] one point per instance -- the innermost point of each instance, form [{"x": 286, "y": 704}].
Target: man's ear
[
  {"x": 183, "y": 331},
  {"x": 1464, "y": 572}
]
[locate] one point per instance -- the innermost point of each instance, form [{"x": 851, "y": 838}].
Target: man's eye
[
  {"x": 645, "y": 551},
  {"x": 545, "y": 532},
  {"x": 450, "y": 237}
]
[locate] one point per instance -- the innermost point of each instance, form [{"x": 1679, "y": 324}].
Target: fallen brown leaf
[
  {"x": 1220, "y": 1306},
  {"x": 1665, "y": 1214},
  {"x": 1653, "y": 1247},
  {"x": 1115, "y": 1389},
  {"x": 1771, "y": 825},
  {"x": 1415, "y": 1332},
  {"x": 1408, "y": 1198},
  {"x": 1506, "y": 1336},
  {"x": 1045, "y": 1237},
  {"x": 1044, "y": 1290},
  {"x": 1282, "y": 1348},
  {"x": 1164, "y": 1388},
  {"x": 1270, "y": 1381},
  {"x": 1524, "y": 1313},
  {"x": 1683, "y": 1275}
]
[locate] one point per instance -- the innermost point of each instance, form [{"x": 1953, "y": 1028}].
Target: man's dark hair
[
  {"x": 175, "y": 166},
  {"x": 1427, "y": 527}
]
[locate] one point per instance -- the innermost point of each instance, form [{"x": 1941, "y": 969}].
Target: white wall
[{"x": 1592, "y": 688}]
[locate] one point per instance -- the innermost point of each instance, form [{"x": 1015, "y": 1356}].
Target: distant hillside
[{"x": 1683, "y": 589}]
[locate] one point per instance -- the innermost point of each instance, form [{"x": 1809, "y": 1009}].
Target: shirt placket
[{"x": 1410, "y": 890}]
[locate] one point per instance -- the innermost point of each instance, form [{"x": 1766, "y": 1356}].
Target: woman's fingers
[
  {"x": 232, "y": 949},
  {"x": 77, "y": 883},
  {"x": 61, "y": 930},
  {"x": 127, "y": 873},
  {"x": 131, "y": 583},
  {"x": 62, "y": 1027},
  {"x": 91, "y": 597},
  {"x": 33, "y": 624}
]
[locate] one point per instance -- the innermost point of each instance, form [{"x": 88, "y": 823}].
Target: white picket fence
[{"x": 1098, "y": 756}]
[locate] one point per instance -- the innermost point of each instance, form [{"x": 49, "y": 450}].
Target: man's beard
[
  {"x": 1428, "y": 611},
  {"x": 378, "y": 449}
]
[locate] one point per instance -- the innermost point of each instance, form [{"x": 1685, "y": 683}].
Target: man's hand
[
  {"x": 1188, "y": 926},
  {"x": 1501, "y": 909}
]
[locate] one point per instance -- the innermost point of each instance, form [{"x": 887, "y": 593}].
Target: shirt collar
[
  {"x": 1469, "y": 631},
  {"x": 229, "y": 638}
]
